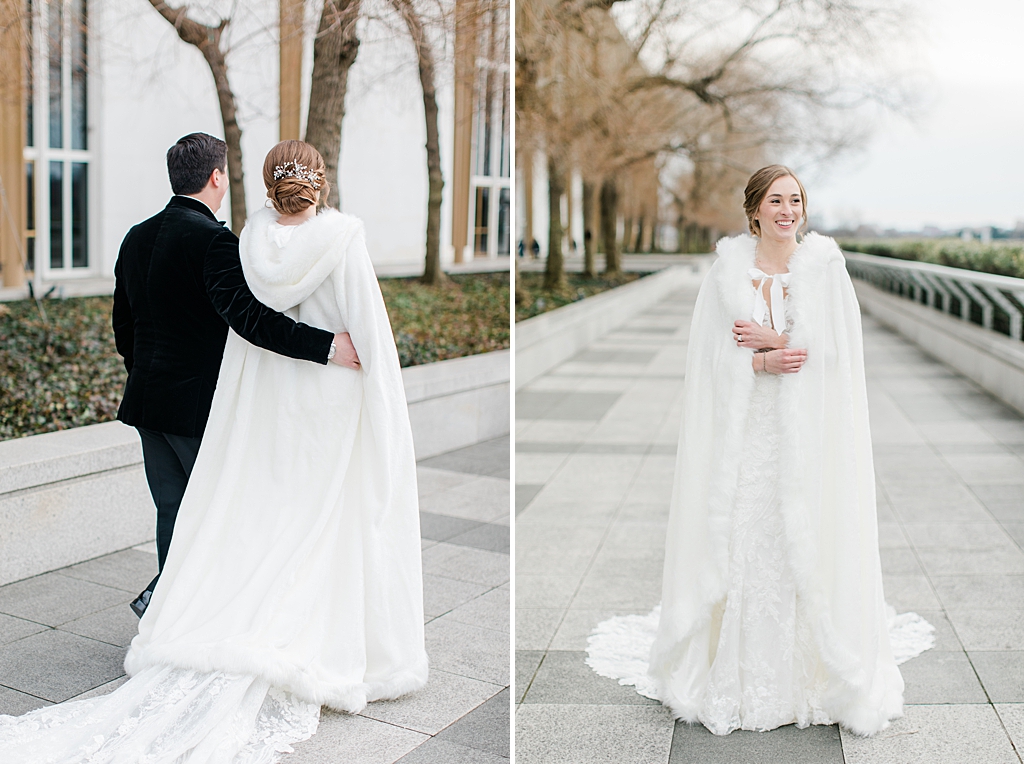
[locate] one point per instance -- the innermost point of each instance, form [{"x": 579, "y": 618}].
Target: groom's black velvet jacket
[{"x": 179, "y": 286}]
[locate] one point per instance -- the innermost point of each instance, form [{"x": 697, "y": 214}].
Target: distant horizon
[{"x": 930, "y": 231}]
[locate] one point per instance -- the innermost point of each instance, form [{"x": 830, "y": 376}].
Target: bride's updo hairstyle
[
  {"x": 294, "y": 172},
  {"x": 757, "y": 190}
]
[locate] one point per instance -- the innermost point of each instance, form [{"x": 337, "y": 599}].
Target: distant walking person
[{"x": 179, "y": 286}]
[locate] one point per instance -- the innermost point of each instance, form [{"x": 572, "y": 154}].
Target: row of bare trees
[
  {"x": 692, "y": 96},
  {"x": 335, "y": 48}
]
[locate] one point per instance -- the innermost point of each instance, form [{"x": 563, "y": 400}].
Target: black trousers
[{"x": 169, "y": 460}]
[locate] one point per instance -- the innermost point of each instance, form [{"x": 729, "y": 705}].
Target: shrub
[
  {"x": 64, "y": 371},
  {"x": 1003, "y": 258}
]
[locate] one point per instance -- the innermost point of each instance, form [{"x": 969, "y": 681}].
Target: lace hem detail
[
  {"x": 165, "y": 716},
  {"x": 620, "y": 647}
]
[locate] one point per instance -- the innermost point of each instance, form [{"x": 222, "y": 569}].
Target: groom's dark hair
[{"x": 192, "y": 160}]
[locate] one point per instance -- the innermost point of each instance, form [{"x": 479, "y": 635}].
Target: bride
[
  {"x": 293, "y": 580},
  {"x": 772, "y": 607}
]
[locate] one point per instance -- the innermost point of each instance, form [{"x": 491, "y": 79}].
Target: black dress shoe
[{"x": 140, "y": 603}]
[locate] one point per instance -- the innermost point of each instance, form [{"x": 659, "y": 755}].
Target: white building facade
[{"x": 109, "y": 87}]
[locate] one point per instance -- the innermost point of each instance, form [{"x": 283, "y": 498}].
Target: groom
[{"x": 179, "y": 286}]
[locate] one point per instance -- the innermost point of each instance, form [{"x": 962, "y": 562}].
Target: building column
[
  {"x": 12, "y": 143},
  {"x": 466, "y": 44},
  {"x": 290, "y": 69}
]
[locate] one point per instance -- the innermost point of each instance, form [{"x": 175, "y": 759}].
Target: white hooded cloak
[
  {"x": 826, "y": 489},
  {"x": 296, "y": 550}
]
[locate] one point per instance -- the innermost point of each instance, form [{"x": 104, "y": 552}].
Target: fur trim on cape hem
[{"x": 308, "y": 684}]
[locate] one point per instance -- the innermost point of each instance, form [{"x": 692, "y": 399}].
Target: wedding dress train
[{"x": 165, "y": 715}]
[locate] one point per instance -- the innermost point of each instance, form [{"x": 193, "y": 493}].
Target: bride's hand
[
  {"x": 753, "y": 336},
  {"x": 345, "y": 352},
  {"x": 785, "y": 361}
]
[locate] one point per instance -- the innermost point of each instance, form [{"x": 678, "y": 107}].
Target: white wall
[{"x": 152, "y": 88}]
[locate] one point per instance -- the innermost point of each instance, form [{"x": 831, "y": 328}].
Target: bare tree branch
[{"x": 207, "y": 39}]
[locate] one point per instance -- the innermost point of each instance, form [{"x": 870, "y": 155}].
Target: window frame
[
  {"x": 500, "y": 102},
  {"x": 40, "y": 154}
]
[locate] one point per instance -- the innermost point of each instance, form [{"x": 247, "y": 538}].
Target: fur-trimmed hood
[{"x": 282, "y": 275}]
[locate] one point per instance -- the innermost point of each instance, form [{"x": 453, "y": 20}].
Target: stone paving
[
  {"x": 595, "y": 444},
  {"x": 64, "y": 634}
]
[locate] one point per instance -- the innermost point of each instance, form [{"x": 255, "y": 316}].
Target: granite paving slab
[
  {"x": 15, "y": 703},
  {"x": 435, "y": 750},
  {"x": 1001, "y": 673},
  {"x": 694, "y": 744},
  {"x": 589, "y": 734},
  {"x": 486, "y": 728},
  {"x": 936, "y": 734},
  {"x": 53, "y": 599},
  {"x": 343, "y": 737},
  {"x": 56, "y": 665}
]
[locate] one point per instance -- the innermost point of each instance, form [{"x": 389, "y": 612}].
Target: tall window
[
  {"x": 57, "y": 152},
  {"x": 490, "y": 181}
]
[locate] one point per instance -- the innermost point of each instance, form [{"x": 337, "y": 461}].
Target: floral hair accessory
[{"x": 299, "y": 171}]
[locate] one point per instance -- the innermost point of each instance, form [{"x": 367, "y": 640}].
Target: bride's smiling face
[{"x": 781, "y": 210}]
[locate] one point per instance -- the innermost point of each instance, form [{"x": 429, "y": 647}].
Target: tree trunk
[
  {"x": 207, "y": 39},
  {"x": 609, "y": 218},
  {"x": 680, "y": 234},
  {"x": 627, "y": 234},
  {"x": 554, "y": 274},
  {"x": 334, "y": 51},
  {"x": 640, "y": 245},
  {"x": 589, "y": 239},
  {"x": 432, "y": 273}
]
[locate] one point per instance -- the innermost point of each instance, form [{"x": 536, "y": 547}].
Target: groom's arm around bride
[{"x": 179, "y": 287}]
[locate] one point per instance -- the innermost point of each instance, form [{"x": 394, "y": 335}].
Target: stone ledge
[
  {"x": 434, "y": 380},
  {"x": 994, "y": 361},
  {"x": 544, "y": 341},
  {"x": 55, "y": 456}
]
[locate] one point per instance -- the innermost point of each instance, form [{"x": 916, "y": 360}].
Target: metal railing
[{"x": 993, "y": 302}]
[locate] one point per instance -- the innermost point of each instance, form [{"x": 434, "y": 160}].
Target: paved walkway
[
  {"x": 595, "y": 444},
  {"x": 64, "y": 634}
]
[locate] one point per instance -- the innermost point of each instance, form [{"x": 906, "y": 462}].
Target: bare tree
[
  {"x": 609, "y": 225},
  {"x": 334, "y": 52},
  {"x": 432, "y": 272},
  {"x": 207, "y": 39},
  {"x": 554, "y": 271},
  {"x": 725, "y": 84}
]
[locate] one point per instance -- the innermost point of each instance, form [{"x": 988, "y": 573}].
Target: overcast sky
[{"x": 962, "y": 163}]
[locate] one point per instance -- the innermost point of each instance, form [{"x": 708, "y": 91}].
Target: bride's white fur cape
[
  {"x": 826, "y": 485},
  {"x": 296, "y": 551}
]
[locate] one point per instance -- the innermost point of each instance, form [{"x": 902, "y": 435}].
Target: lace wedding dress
[
  {"x": 766, "y": 671},
  {"x": 165, "y": 716}
]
